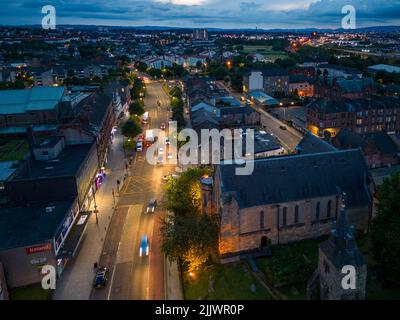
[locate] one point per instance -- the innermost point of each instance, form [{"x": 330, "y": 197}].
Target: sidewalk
[
  {"x": 76, "y": 281},
  {"x": 173, "y": 285}
]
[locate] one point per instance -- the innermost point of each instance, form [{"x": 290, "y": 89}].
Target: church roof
[{"x": 298, "y": 177}]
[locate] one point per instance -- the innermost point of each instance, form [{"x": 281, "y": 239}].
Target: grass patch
[
  {"x": 14, "y": 150},
  {"x": 266, "y": 51},
  {"x": 231, "y": 282},
  {"x": 31, "y": 292},
  {"x": 291, "y": 263}
]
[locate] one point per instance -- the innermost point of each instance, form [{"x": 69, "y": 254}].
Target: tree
[
  {"x": 183, "y": 194},
  {"x": 193, "y": 239},
  {"x": 132, "y": 127},
  {"x": 136, "y": 108},
  {"x": 385, "y": 230},
  {"x": 188, "y": 235}
]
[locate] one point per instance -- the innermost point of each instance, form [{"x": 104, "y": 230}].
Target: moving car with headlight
[
  {"x": 151, "y": 207},
  {"x": 144, "y": 246}
]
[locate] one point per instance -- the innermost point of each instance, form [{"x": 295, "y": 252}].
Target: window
[
  {"x": 328, "y": 209},
  {"x": 284, "y": 216},
  {"x": 262, "y": 220},
  {"x": 317, "y": 210},
  {"x": 326, "y": 267},
  {"x": 45, "y": 153},
  {"x": 296, "y": 214}
]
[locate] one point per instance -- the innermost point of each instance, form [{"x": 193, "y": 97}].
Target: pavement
[{"x": 76, "y": 280}]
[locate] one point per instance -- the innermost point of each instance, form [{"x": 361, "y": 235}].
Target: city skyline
[{"x": 286, "y": 14}]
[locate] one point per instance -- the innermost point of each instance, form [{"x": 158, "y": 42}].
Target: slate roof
[
  {"x": 354, "y": 105},
  {"x": 293, "y": 178},
  {"x": 382, "y": 141},
  {"x": 312, "y": 144}
]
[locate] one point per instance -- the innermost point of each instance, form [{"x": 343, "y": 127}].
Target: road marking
[{"x": 112, "y": 275}]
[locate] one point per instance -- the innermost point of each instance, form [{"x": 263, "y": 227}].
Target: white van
[{"x": 139, "y": 146}]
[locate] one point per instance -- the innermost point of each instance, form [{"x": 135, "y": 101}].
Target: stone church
[{"x": 287, "y": 199}]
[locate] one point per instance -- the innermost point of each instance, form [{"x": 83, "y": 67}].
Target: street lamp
[{"x": 95, "y": 207}]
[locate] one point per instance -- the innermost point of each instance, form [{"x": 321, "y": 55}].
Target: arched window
[
  {"x": 328, "y": 209},
  {"x": 262, "y": 220},
  {"x": 296, "y": 214},
  {"x": 284, "y": 216}
]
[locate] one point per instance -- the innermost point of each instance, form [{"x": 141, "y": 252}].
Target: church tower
[{"x": 338, "y": 258}]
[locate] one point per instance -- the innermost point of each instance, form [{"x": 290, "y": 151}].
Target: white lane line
[{"x": 113, "y": 273}]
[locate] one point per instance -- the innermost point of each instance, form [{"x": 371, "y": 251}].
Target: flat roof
[
  {"x": 67, "y": 164},
  {"x": 31, "y": 225}
]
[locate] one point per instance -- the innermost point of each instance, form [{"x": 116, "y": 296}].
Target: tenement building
[
  {"x": 289, "y": 198},
  {"x": 328, "y": 117}
]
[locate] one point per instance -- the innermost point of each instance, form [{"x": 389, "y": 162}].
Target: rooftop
[
  {"x": 32, "y": 225},
  {"x": 67, "y": 164},
  {"x": 312, "y": 144},
  {"x": 28, "y": 100},
  {"x": 293, "y": 178}
]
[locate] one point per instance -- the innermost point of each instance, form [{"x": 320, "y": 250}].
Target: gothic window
[
  {"x": 326, "y": 267},
  {"x": 262, "y": 220},
  {"x": 317, "y": 210},
  {"x": 284, "y": 216},
  {"x": 328, "y": 209}
]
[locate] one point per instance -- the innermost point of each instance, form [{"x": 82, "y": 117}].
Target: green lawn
[
  {"x": 231, "y": 282},
  {"x": 266, "y": 51},
  {"x": 13, "y": 150},
  {"x": 291, "y": 264},
  {"x": 32, "y": 292}
]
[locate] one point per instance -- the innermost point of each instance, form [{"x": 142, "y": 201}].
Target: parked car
[
  {"x": 144, "y": 246},
  {"x": 140, "y": 138},
  {"x": 160, "y": 159},
  {"x": 161, "y": 151},
  {"x": 283, "y": 127},
  {"x": 101, "y": 278},
  {"x": 169, "y": 176},
  {"x": 169, "y": 155},
  {"x": 139, "y": 146},
  {"x": 163, "y": 126},
  {"x": 167, "y": 142},
  {"x": 151, "y": 207}
]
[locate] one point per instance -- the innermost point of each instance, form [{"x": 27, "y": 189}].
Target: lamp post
[{"x": 95, "y": 208}]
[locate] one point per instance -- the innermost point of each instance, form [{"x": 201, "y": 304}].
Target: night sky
[{"x": 204, "y": 13}]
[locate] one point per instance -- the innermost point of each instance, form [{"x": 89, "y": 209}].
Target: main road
[
  {"x": 288, "y": 137},
  {"x": 134, "y": 277}
]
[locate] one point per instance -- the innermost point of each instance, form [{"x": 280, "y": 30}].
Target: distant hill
[{"x": 167, "y": 28}]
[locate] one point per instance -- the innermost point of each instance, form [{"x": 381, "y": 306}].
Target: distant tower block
[
  {"x": 206, "y": 186},
  {"x": 338, "y": 251}
]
